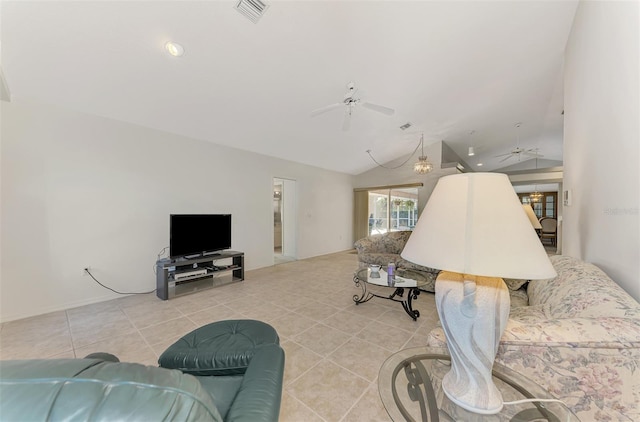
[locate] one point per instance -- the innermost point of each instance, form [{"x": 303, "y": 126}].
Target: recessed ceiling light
[
  {"x": 479, "y": 164},
  {"x": 471, "y": 152},
  {"x": 173, "y": 48}
]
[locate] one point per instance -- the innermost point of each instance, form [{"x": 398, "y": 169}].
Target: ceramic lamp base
[{"x": 474, "y": 312}]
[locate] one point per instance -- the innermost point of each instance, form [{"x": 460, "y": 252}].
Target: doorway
[{"x": 284, "y": 220}]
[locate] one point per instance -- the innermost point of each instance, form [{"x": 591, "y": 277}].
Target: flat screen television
[{"x": 192, "y": 235}]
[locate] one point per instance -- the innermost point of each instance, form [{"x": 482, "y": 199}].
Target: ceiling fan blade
[
  {"x": 506, "y": 158},
  {"x": 533, "y": 154},
  {"x": 325, "y": 109},
  {"x": 346, "y": 124},
  {"x": 502, "y": 155},
  {"x": 380, "y": 109}
]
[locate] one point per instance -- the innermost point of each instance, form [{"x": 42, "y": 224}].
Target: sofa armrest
[
  {"x": 260, "y": 394},
  {"x": 590, "y": 364},
  {"x": 365, "y": 245},
  {"x": 580, "y": 332}
]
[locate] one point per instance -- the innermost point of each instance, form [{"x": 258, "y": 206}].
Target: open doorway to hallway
[{"x": 284, "y": 220}]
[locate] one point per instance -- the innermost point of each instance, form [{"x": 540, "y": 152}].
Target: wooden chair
[{"x": 549, "y": 230}]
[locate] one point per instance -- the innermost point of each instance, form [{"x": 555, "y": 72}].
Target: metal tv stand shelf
[{"x": 177, "y": 277}]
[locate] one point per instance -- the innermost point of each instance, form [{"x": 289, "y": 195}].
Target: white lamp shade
[
  {"x": 474, "y": 224},
  {"x": 533, "y": 219}
]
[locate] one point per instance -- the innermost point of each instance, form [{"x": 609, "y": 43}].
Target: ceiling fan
[
  {"x": 519, "y": 152},
  {"x": 350, "y": 102}
]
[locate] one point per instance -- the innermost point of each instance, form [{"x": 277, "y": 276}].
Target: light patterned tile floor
[{"x": 333, "y": 347}]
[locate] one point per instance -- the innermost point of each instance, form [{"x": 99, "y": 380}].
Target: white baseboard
[{"x": 62, "y": 307}]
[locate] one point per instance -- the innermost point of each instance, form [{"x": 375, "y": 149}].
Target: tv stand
[
  {"x": 177, "y": 277},
  {"x": 199, "y": 255}
]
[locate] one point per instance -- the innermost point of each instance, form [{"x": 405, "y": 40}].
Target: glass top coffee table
[
  {"x": 405, "y": 279},
  {"x": 409, "y": 383}
]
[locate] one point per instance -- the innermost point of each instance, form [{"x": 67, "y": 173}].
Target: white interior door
[
  {"x": 277, "y": 216},
  {"x": 289, "y": 220}
]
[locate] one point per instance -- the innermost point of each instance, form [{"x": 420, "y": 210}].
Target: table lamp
[
  {"x": 533, "y": 219},
  {"x": 473, "y": 228}
]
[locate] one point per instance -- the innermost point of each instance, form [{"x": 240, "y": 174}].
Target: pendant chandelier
[
  {"x": 536, "y": 196},
  {"x": 423, "y": 166}
]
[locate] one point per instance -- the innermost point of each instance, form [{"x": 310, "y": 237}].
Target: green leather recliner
[{"x": 95, "y": 389}]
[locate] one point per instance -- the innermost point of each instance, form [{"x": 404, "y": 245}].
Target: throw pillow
[{"x": 514, "y": 283}]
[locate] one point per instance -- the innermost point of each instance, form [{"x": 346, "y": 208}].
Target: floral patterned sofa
[
  {"x": 381, "y": 249},
  {"x": 579, "y": 337}
]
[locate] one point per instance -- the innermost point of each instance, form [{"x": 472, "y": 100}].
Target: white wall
[
  {"x": 601, "y": 138},
  {"x": 80, "y": 190}
]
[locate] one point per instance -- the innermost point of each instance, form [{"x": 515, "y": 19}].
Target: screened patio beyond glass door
[{"x": 392, "y": 210}]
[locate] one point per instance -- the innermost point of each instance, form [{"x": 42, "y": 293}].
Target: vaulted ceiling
[{"x": 447, "y": 67}]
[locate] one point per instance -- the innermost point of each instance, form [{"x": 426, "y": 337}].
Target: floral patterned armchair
[{"x": 579, "y": 338}]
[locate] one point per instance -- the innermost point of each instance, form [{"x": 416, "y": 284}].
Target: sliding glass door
[
  {"x": 392, "y": 210},
  {"x": 381, "y": 209}
]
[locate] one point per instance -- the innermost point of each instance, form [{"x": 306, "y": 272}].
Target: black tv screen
[{"x": 198, "y": 234}]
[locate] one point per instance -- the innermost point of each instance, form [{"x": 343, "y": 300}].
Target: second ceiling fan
[
  {"x": 518, "y": 152},
  {"x": 349, "y": 103}
]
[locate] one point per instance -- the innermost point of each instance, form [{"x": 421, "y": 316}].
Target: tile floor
[{"x": 333, "y": 348}]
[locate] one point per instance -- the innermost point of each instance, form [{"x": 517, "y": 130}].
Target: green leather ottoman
[{"x": 219, "y": 348}]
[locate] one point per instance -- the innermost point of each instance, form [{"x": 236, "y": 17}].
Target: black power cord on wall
[{"x": 115, "y": 291}]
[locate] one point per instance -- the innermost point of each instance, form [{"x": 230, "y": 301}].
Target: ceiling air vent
[
  {"x": 405, "y": 126},
  {"x": 252, "y": 9}
]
